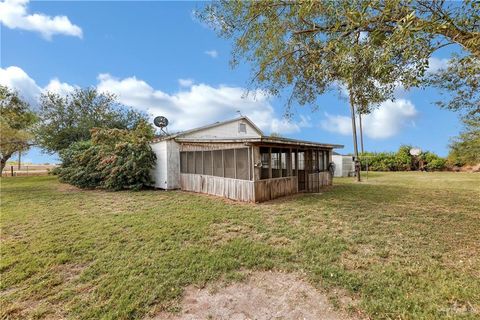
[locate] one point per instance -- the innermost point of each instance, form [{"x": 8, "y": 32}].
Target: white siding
[
  {"x": 159, "y": 172},
  {"x": 344, "y": 165},
  {"x": 173, "y": 165},
  {"x": 227, "y": 130},
  {"x": 166, "y": 172}
]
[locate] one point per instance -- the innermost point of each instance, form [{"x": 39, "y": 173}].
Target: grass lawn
[{"x": 402, "y": 245}]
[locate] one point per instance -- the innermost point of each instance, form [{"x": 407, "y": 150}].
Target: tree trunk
[
  {"x": 3, "y": 161},
  {"x": 354, "y": 132}
]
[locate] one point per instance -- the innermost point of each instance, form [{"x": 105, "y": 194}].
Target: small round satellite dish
[
  {"x": 160, "y": 121},
  {"x": 415, "y": 151}
]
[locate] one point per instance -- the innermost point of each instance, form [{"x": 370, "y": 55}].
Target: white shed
[{"x": 344, "y": 165}]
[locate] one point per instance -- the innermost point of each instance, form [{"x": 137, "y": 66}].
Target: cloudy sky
[{"x": 157, "y": 58}]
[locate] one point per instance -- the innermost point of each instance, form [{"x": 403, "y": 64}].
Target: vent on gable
[{"x": 242, "y": 128}]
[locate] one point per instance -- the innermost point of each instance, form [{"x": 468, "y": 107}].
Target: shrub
[
  {"x": 114, "y": 159},
  {"x": 402, "y": 160},
  {"x": 433, "y": 162}
]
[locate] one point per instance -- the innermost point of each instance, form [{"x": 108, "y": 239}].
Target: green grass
[{"x": 402, "y": 245}]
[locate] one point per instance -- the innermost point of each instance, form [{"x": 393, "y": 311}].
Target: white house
[
  {"x": 236, "y": 160},
  {"x": 344, "y": 165}
]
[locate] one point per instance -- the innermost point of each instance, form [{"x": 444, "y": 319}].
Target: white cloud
[
  {"x": 17, "y": 79},
  {"x": 436, "y": 64},
  {"x": 58, "y": 87},
  {"x": 186, "y": 82},
  {"x": 384, "y": 122},
  {"x": 14, "y": 15},
  {"x": 199, "y": 104},
  {"x": 211, "y": 53},
  {"x": 194, "y": 105}
]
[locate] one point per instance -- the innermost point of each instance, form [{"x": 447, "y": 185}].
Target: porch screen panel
[
  {"x": 264, "y": 154},
  {"x": 217, "y": 163},
  {"x": 183, "y": 162},
  {"x": 325, "y": 161},
  {"x": 301, "y": 160},
  {"x": 283, "y": 160},
  {"x": 190, "y": 162},
  {"x": 207, "y": 163},
  {"x": 242, "y": 163},
  {"x": 314, "y": 161},
  {"x": 294, "y": 163},
  {"x": 276, "y": 163},
  {"x": 229, "y": 163},
  {"x": 321, "y": 159},
  {"x": 198, "y": 162}
]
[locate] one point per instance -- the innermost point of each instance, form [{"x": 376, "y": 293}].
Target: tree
[
  {"x": 310, "y": 47},
  {"x": 465, "y": 149},
  {"x": 68, "y": 119},
  {"x": 114, "y": 159},
  {"x": 16, "y": 121},
  {"x": 462, "y": 79}
]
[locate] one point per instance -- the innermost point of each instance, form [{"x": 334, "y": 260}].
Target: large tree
[
  {"x": 309, "y": 48},
  {"x": 68, "y": 119},
  {"x": 16, "y": 121},
  {"x": 465, "y": 149},
  {"x": 369, "y": 46}
]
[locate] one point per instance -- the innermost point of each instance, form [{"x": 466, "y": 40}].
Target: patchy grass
[{"x": 402, "y": 245}]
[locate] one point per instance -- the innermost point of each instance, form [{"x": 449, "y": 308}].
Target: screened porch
[{"x": 253, "y": 172}]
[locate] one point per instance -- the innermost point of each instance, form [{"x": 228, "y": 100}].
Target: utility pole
[
  {"x": 354, "y": 132},
  {"x": 19, "y": 159},
  {"x": 361, "y": 131}
]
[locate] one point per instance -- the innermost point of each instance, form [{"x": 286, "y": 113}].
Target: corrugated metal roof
[{"x": 262, "y": 139}]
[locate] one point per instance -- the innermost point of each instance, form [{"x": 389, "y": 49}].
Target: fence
[{"x": 27, "y": 170}]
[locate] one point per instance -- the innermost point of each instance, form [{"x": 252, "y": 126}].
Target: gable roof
[
  {"x": 213, "y": 125},
  {"x": 179, "y": 137}
]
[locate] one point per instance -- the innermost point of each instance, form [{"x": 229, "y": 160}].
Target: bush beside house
[{"x": 114, "y": 159}]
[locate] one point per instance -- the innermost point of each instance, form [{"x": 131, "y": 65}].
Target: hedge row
[{"x": 402, "y": 160}]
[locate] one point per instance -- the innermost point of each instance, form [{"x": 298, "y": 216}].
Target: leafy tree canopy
[
  {"x": 113, "y": 159},
  {"x": 311, "y": 44},
  {"x": 465, "y": 149},
  {"x": 68, "y": 119},
  {"x": 16, "y": 121}
]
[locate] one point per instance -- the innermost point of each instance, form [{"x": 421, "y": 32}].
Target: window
[
  {"x": 229, "y": 163},
  {"x": 217, "y": 163},
  {"x": 242, "y": 128},
  {"x": 242, "y": 163},
  {"x": 207, "y": 162}
]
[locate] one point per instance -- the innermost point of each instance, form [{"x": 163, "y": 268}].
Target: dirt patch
[{"x": 263, "y": 295}]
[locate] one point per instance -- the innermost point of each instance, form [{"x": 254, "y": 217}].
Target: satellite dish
[
  {"x": 415, "y": 151},
  {"x": 160, "y": 122}
]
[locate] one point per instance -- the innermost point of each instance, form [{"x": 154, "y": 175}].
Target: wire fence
[{"x": 27, "y": 170}]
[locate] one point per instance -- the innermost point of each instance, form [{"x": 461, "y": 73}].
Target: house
[
  {"x": 344, "y": 165},
  {"x": 234, "y": 159}
]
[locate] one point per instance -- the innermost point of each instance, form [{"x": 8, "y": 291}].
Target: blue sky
[{"x": 157, "y": 58}]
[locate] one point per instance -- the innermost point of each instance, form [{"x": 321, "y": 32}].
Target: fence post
[{"x": 11, "y": 170}]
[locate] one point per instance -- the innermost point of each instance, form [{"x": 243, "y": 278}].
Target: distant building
[
  {"x": 344, "y": 165},
  {"x": 234, "y": 159}
]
